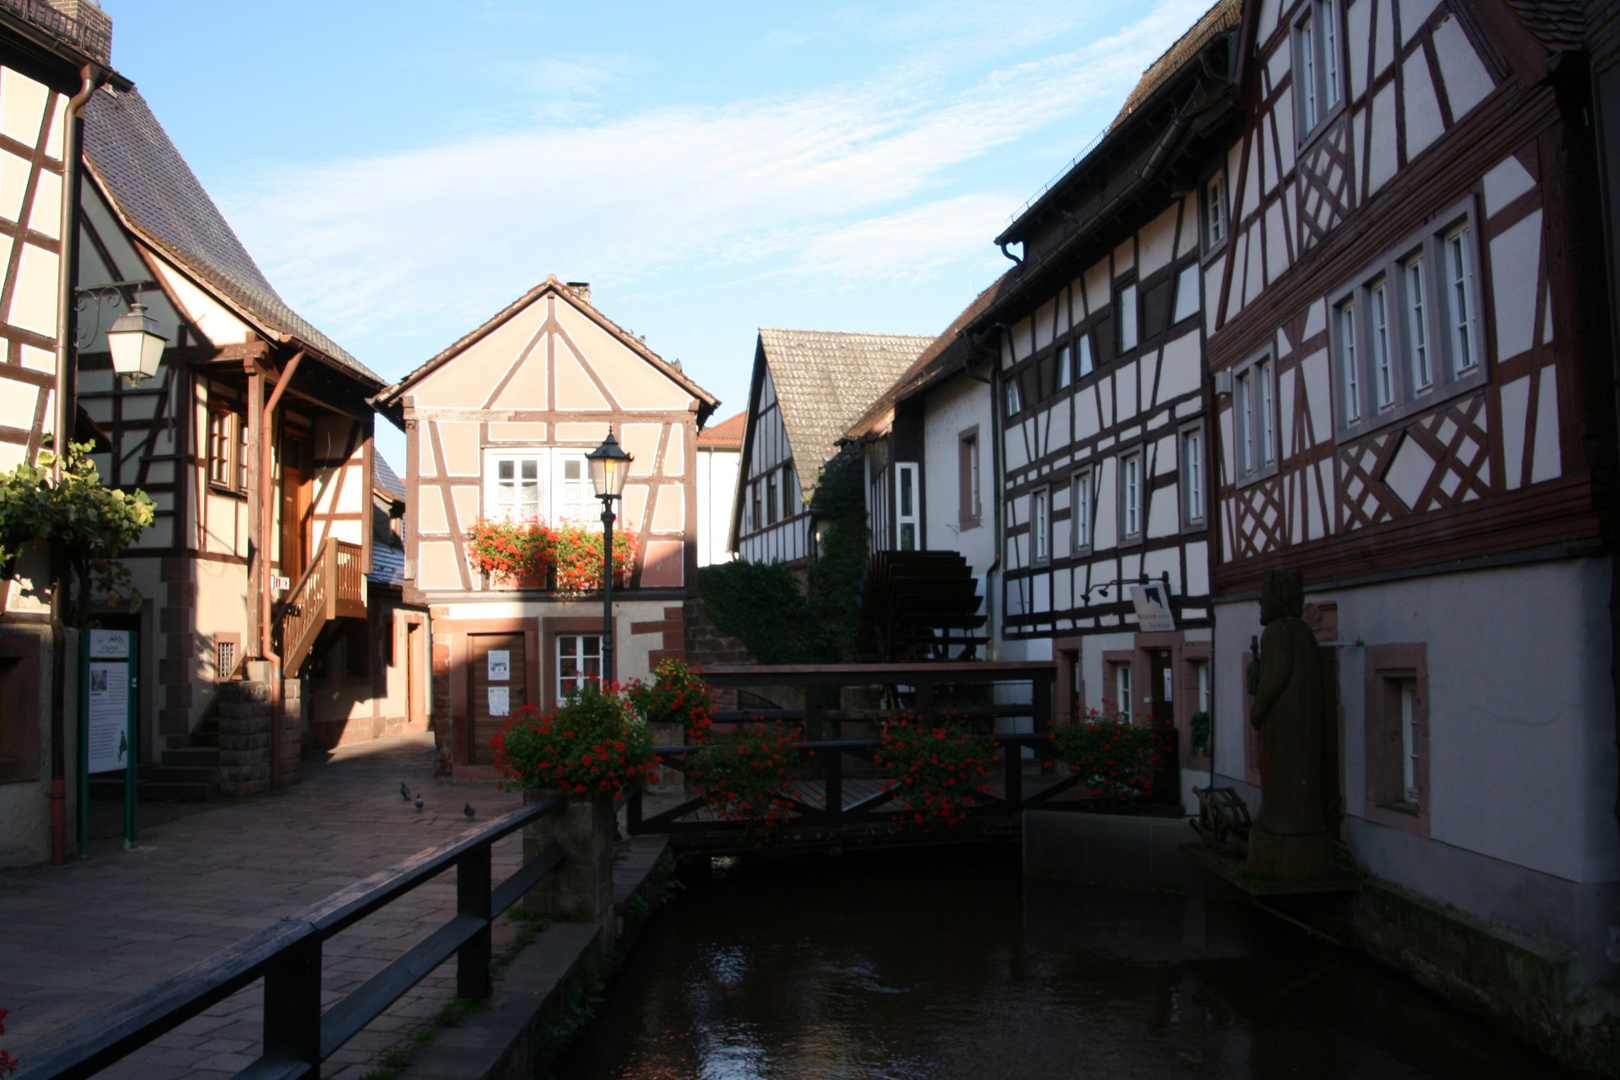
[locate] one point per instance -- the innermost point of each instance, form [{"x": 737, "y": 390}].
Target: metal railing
[
  {"x": 93, "y": 39},
  {"x": 334, "y": 587},
  {"x": 298, "y": 1034}
]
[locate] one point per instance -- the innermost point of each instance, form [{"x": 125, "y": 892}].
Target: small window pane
[
  {"x": 1039, "y": 525},
  {"x": 1307, "y": 63},
  {"x": 1082, "y": 510},
  {"x": 1189, "y": 293},
  {"x": 1345, "y": 315},
  {"x": 1082, "y": 356},
  {"x": 1378, "y": 305},
  {"x": 1215, "y": 210},
  {"x": 1268, "y": 416},
  {"x": 1065, "y": 367},
  {"x": 1460, "y": 279},
  {"x": 1192, "y": 472},
  {"x": 579, "y": 658},
  {"x": 1132, "y": 494},
  {"x": 1015, "y": 401},
  {"x": 1128, "y": 328},
  {"x": 1417, "y": 326},
  {"x": 1330, "y": 52}
]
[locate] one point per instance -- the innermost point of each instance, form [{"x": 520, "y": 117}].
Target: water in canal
[{"x": 949, "y": 965}]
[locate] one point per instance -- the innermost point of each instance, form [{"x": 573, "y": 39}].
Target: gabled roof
[
  {"x": 159, "y": 198},
  {"x": 726, "y": 435},
  {"x": 825, "y": 380},
  {"x": 391, "y": 399},
  {"x": 1224, "y": 16},
  {"x": 947, "y": 354}
]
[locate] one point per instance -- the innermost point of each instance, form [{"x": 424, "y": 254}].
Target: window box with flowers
[{"x": 526, "y": 553}]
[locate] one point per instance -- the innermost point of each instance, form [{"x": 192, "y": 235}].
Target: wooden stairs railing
[{"x": 334, "y": 587}]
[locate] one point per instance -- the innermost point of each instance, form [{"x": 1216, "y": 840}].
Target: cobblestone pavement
[{"x": 78, "y": 938}]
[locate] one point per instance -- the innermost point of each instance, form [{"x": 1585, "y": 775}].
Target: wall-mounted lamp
[{"x": 136, "y": 345}]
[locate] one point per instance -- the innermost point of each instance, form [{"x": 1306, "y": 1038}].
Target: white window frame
[
  {"x": 904, "y": 471},
  {"x": 581, "y": 656},
  {"x": 1255, "y": 421},
  {"x": 540, "y": 455},
  {"x": 1122, "y": 688},
  {"x": 1214, "y": 211},
  {"x": 1014, "y": 395},
  {"x": 1191, "y": 451},
  {"x": 1128, "y": 317},
  {"x": 1432, "y": 317},
  {"x": 1318, "y": 67},
  {"x": 1040, "y": 526},
  {"x": 1083, "y": 503},
  {"x": 1132, "y": 496},
  {"x": 561, "y": 509}
]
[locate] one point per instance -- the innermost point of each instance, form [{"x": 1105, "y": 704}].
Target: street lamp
[
  {"x": 136, "y": 345},
  {"x": 609, "y": 466}
]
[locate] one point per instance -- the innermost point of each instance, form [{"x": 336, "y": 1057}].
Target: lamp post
[{"x": 609, "y": 466}]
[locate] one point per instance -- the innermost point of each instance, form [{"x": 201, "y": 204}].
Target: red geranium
[
  {"x": 592, "y": 744},
  {"x": 1114, "y": 758},
  {"x": 939, "y": 771},
  {"x": 743, "y": 776},
  {"x": 678, "y": 695}
]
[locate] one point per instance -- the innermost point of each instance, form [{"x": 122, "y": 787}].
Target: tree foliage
[
  {"x": 88, "y": 525},
  {"x": 759, "y": 604}
]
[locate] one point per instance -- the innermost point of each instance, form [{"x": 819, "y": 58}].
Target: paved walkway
[{"x": 78, "y": 938}]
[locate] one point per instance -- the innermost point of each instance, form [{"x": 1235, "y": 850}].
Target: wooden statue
[{"x": 1290, "y": 840}]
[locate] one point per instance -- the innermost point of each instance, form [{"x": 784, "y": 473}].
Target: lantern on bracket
[{"x": 136, "y": 345}]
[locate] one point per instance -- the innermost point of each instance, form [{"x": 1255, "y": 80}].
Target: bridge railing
[{"x": 298, "y": 1034}]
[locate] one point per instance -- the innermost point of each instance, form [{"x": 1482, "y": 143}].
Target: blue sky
[{"x": 401, "y": 171}]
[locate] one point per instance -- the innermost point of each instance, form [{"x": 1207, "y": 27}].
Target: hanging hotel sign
[{"x": 1153, "y": 607}]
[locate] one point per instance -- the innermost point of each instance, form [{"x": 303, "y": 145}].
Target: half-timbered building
[
  {"x": 718, "y": 462},
  {"x": 499, "y": 424},
  {"x": 1414, "y": 408},
  {"x": 1099, "y": 331},
  {"x": 808, "y": 387},
  {"x": 49, "y": 63},
  {"x": 254, "y": 439}
]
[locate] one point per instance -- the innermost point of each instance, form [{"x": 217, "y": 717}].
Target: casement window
[
  {"x": 757, "y": 505},
  {"x": 1122, "y": 688},
  {"x": 227, "y": 463},
  {"x": 907, "y": 500},
  {"x": 516, "y": 486},
  {"x": 1130, "y": 496},
  {"x": 1254, "y": 404},
  {"x": 1192, "y": 477},
  {"x": 579, "y": 659},
  {"x": 1397, "y": 736},
  {"x": 1063, "y": 365},
  {"x": 1127, "y": 318},
  {"x": 1189, "y": 293},
  {"x": 575, "y": 498},
  {"x": 770, "y": 498},
  {"x": 1406, "y": 329},
  {"x": 1083, "y": 363},
  {"x": 1213, "y": 206},
  {"x": 967, "y": 449},
  {"x": 1040, "y": 526},
  {"x": 1015, "y": 398},
  {"x": 1318, "y": 84},
  {"x": 1084, "y": 504}
]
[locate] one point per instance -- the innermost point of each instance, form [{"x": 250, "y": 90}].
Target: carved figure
[{"x": 1290, "y": 840}]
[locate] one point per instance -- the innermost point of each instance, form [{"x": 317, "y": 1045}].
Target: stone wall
[
  {"x": 707, "y": 644},
  {"x": 244, "y": 738}
]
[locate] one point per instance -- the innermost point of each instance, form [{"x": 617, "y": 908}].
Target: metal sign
[
  {"x": 107, "y": 720},
  {"x": 1153, "y": 607}
]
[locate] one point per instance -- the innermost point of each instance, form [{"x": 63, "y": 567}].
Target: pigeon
[
  {"x": 419, "y": 804},
  {"x": 404, "y": 792},
  {"x": 468, "y": 810}
]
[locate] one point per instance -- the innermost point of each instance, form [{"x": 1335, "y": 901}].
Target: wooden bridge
[{"x": 837, "y": 798}]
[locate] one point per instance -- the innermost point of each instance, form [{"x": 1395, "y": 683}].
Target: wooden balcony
[{"x": 334, "y": 587}]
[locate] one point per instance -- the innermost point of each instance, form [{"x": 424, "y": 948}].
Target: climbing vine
[{"x": 88, "y": 525}]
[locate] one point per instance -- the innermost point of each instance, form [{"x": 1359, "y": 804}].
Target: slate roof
[
  {"x": 945, "y": 356},
  {"x": 384, "y": 478},
  {"x": 161, "y": 200},
  {"x": 726, "y": 435},
  {"x": 1557, "y": 24},
  {"x": 825, "y": 380},
  {"x": 387, "y": 552}
]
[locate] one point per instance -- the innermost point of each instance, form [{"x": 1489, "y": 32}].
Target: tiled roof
[
  {"x": 726, "y": 435},
  {"x": 159, "y": 196},
  {"x": 947, "y": 353},
  {"x": 825, "y": 380},
  {"x": 1225, "y": 15},
  {"x": 384, "y": 478}
]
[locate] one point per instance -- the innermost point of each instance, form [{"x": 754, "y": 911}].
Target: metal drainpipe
[
  {"x": 90, "y": 78},
  {"x": 993, "y": 649}
]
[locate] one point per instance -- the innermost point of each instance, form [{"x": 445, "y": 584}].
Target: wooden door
[
  {"x": 499, "y": 686},
  {"x": 1161, "y": 688},
  {"x": 294, "y": 509}
]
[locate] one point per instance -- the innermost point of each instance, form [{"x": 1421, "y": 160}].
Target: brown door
[
  {"x": 1161, "y": 687},
  {"x": 499, "y": 687},
  {"x": 414, "y": 714},
  {"x": 294, "y": 509}
]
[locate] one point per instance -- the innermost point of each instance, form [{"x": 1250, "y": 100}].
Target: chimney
[
  {"x": 90, "y": 29},
  {"x": 582, "y": 289}
]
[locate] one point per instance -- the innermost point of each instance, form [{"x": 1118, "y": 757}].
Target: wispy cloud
[{"x": 854, "y": 183}]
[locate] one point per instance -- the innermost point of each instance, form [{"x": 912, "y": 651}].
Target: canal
[{"x": 946, "y": 965}]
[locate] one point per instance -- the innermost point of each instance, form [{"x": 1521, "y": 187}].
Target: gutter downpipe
[
  {"x": 992, "y": 648},
  {"x": 266, "y": 517},
  {"x": 66, "y": 356}
]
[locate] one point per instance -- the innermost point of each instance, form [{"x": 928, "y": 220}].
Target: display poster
[
  {"x": 1153, "y": 608},
  {"x": 107, "y": 742},
  {"x": 500, "y": 667},
  {"x": 500, "y": 701},
  {"x": 1168, "y": 681}
]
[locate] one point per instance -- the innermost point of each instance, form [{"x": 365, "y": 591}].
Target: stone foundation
[
  {"x": 581, "y": 889},
  {"x": 244, "y": 738}
]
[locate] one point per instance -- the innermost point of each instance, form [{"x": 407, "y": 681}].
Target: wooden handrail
[
  {"x": 298, "y": 1036},
  {"x": 333, "y": 587}
]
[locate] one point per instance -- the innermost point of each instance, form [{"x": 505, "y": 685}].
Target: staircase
[
  {"x": 920, "y": 606},
  {"x": 334, "y": 587}
]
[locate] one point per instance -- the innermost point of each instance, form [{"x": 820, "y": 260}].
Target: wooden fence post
[{"x": 472, "y": 898}]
